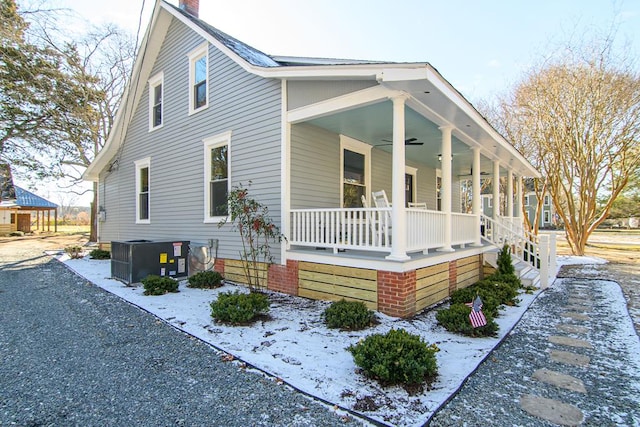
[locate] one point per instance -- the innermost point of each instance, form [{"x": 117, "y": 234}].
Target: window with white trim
[
  {"x": 156, "y": 92},
  {"x": 216, "y": 176},
  {"x": 546, "y": 217},
  {"x": 355, "y": 171},
  {"x": 526, "y": 200},
  {"x": 198, "y": 79},
  {"x": 439, "y": 190},
  {"x": 410, "y": 184},
  {"x": 143, "y": 200},
  {"x": 547, "y": 200}
]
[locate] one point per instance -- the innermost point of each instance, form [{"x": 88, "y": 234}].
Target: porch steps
[{"x": 525, "y": 271}]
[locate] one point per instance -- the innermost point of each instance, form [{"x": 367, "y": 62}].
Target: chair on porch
[{"x": 380, "y": 200}]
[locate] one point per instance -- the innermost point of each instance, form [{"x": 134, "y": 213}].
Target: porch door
[{"x": 408, "y": 188}]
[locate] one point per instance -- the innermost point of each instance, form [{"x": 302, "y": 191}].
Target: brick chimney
[{"x": 190, "y": 6}]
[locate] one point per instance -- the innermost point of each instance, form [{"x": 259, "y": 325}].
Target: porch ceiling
[{"x": 373, "y": 124}]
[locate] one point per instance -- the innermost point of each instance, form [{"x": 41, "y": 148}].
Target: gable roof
[
  {"x": 398, "y": 77},
  {"x": 13, "y": 196}
]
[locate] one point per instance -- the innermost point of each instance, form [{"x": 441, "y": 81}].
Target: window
[
  {"x": 143, "y": 179},
  {"x": 489, "y": 202},
  {"x": 355, "y": 175},
  {"x": 526, "y": 200},
  {"x": 546, "y": 218},
  {"x": 156, "y": 90},
  {"x": 547, "y": 200},
  {"x": 216, "y": 176},
  {"x": 410, "y": 181},
  {"x": 198, "y": 79}
]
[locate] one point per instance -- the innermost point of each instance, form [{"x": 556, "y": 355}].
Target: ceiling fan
[
  {"x": 408, "y": 141},
  {"x": 471, "y": 173}
]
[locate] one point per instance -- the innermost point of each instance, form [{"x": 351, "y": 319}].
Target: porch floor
[{"x": 378, "y": 261}]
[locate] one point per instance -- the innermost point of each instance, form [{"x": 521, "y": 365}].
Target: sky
[{"x": 481, "y": 47}]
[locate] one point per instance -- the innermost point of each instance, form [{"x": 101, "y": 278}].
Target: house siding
[
  {"x": 247, "y": 105},
  {"x": 315, "y": 163},
  {"x": 301, "y": 93}
]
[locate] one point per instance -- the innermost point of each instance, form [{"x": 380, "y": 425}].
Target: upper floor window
[
  {"x": 547, "y": 200},
  {"x": 156, "y": 91},
  {"x": 198, "y": 79},
  {"x": 526, "y": 200},
  {"x": 143, "y": 201},
  {"x": 216, "y": 176}
]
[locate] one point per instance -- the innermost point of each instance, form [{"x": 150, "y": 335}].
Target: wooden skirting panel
[
  {"x": 432, "y": 285},
  {"x": 234, "y": 272},
  {"x": 333, "y": 283},
  {"x": 6, "y": 228},
  {"x": 468, "y": 271}
]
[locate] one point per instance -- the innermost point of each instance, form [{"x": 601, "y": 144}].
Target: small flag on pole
[{"x": 476, "y": 316}]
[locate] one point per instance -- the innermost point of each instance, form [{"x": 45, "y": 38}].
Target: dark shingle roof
[
  {"x": 251, "y": 55},
  {"x": 27, "y": 199}
]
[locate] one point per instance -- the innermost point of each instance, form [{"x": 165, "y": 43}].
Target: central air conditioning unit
[
  {"x": 202, "y": 257},
  {"x": 133, "y": 260}
]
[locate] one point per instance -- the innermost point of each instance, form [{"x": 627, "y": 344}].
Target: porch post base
[
  {"x": 445, "y": 249},
  {"x": 393, "y": 257}
]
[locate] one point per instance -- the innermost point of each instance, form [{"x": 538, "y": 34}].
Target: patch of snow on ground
[{"x": 295, "y": 345}]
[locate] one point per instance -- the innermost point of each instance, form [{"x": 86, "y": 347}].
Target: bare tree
[{"x": 577, "y": 118}]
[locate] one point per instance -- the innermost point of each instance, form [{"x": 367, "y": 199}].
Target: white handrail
[{"x": 526, "y": 246}]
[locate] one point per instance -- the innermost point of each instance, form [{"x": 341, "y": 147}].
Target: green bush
[
  {"x": 350, "y": 315},
  {"x": 100, "y": 254},
  {"x": 239, "y": 308},
  {"x": 396, "y": 358},
  {"x": 490, "y": 302},
  {"x": 456, "y": 319},
  {"x": 156, "y": 285},
  {"x": 505, "y": 264},
  {"x": 510, "y": 279},
  {"x": 205, "y": 279},
  {"x": 504, "y": 293}
]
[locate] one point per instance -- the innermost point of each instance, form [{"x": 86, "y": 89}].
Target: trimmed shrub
[
  {"x": 456, "y": 319},
  {"x": 505, "y": 264},
  {"x": 74, "y": 252},
  {"x": 504, "y": 293},
  {"x": 510, "y": 279},
  {"x": 239, "y": 308},
  {"x": 490, "y": 302},
  {"x": 205, "y": 279},
  {"x": 156, "y": 285},
  {"x": 397, "y": 357},
  {"x": 349, "y": 315},
  {"x": 100, "y": 254}
]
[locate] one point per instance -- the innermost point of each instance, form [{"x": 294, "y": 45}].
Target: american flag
[{"x": 476, "y": 316}]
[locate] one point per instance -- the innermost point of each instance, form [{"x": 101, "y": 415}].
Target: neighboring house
[
  {"x": 17, "y": 205},
  {"x": 547, "y": 217},
  {"x": 205, "y": 112}
]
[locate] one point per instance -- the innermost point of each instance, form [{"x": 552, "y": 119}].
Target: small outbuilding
[{"x": 17, "y": 207}]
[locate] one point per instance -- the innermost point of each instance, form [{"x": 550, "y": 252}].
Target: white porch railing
[
  {"x": 369, "y": 229},
  {"x": 537, "y": 250}
]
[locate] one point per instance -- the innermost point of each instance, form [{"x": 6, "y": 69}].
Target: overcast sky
[{"x": 481, "y": 47}]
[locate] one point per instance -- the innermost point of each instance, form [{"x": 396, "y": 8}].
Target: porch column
[
  {"x": 398, "y": 212},
  {"x": 519, "y": 199},
  {"x": 496, "y": 189},
  {"x": 476, "y": 202},
  {"x": 446, "y": 186},
  {"x": 509, "y": 194}
]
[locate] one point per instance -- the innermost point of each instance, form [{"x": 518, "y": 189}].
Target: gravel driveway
[{"x": 73, "y": 354}]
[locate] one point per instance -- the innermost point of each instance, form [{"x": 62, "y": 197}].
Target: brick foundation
[
  {"x": 397, "y": 293},
  {"x": 284, "y": 278},
  {"x": 218, "y": 265}
]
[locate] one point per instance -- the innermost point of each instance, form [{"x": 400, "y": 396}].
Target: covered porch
[{"x": 417, "y": 139}]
